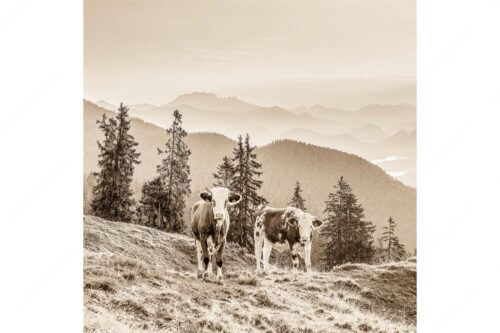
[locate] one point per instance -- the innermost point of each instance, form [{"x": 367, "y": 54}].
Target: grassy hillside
[
  {"x": 138, "y": 279},
  {"x": 284, "y": 162}
]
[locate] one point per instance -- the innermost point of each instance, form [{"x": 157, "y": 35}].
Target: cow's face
[
  {"x": 304, "y": 222},
  {"x": 220, "y": 198}
]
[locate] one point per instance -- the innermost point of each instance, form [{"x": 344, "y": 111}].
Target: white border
[
  {"x": 41, "y": 144},
  {"x": 41, "y": 66},
  {"x": 458, "y": 166}
]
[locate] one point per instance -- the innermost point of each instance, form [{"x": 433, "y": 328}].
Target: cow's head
[
  {"x": 304, "y": 222},
  {"x": 220, "y": 198}
]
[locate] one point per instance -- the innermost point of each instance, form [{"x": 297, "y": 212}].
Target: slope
[{"x": 138, "y": 279}]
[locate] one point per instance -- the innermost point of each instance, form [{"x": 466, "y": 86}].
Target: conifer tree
[
  {"x": 152, "y": 209},
  {"x": 112, "y": 195},
  {"x": 297, "y": 200},
  {"x": 225, "y": 172},
  {"x": 394, "y": 250},
  {"x": 349, "y": 238},
  {"x": 399, "y": 250},
  {"x": 174, "y": 175},
  {"x": 388, "y": 236},
  {"x": 246, "y": 183}
]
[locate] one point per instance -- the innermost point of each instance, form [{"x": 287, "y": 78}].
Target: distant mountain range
[
  {"x": 211, "y": 101},
  {"x": 284, "y": 162},
  {"x": 374, "y": 132}
]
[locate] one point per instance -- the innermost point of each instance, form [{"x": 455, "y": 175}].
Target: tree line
[{"x": 348, "y": 235}]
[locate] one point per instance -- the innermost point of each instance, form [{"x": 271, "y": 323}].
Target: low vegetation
[{"x": 138, "y": 279}]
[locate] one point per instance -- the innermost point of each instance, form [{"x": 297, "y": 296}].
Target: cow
[
  {"x": 210, "y": 223},
  {"x": 284, "y": 228}
]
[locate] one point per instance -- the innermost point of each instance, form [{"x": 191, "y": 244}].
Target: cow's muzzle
[{"x": 219, "y": 216}]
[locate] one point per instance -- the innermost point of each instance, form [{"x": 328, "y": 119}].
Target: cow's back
[
  {"x": 273, "y": 223},
  {"x": 202, "y": 218}
]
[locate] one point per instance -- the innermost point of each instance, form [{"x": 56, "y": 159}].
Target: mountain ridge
[
  {"x": 216, "y": 102},
  {"x": 317, "y": 168}
]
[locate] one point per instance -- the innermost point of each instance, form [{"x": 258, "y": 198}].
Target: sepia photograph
[
  {"x": 249, "y": 166},
  {"x": 208, "y": 166}
]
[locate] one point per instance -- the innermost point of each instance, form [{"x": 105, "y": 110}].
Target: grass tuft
[
  {"x": 365, "y": 327},
  {"x": 345, "y": 326},
  {"x": 248, "y": 281},
  {"x": 262, "y": 299},
  {"x": 105, "y": 284}
]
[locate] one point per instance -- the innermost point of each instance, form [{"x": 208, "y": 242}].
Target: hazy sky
[{"x": 337, "y": 53}]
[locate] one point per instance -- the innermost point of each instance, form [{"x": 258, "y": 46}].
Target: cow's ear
[
  {"x": 317, "y": 223},
  {"x": 288, "y": 213},
  {"x": 205, "y": 196},
  {"x": 292, "y": 221},
  {"x": 234, "y": 198}
]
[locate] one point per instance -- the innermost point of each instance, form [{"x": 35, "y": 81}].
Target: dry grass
[{"x": 141, "y": 280}]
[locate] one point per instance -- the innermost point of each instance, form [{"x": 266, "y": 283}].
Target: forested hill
[
  {"x": 283, "y": 163},
  {"x": 318, "y": 169}
]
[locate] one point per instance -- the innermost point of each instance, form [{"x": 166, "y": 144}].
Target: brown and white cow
[
  {"x": 210, "y": 223},
  {"x": 284, "y": 228}
]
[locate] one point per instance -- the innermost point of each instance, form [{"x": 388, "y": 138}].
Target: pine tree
[
  {"x": 112, "y": 195},
  {"x": 245, "y": 181},
  {"x": 297, "y": 200},
  {"x": 152, "y": 209},
  {"x": 394, "y": 250},
  {"x": 174, "y": 174},
  {"x": 388, "y": 236},
  {"x": 349, "y": 238},
  {"x": 225, "y": 173},
  {"x": 399, "y": 250}
]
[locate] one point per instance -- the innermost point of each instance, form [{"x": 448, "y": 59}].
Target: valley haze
[{"x": 385, "y": 133}]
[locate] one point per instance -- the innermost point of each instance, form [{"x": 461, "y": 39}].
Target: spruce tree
[
  {"x": 394, "y": 250},
  {"x": 112, "y": 195},
  {"x": 388, "y": 236},
  {"x": 174, "y": 174},
  {"x": 349, "y": 238},
  {"x": 225, "y": 172},
  {"x": 297, "y": 200},
  {"x": 152, "y": 209},
  {"x": 399, "y": 250},
  {"x": 246, "y": 183}
]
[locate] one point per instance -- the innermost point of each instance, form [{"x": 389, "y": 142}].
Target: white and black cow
[
  {"x": 209, "y": 223},
  {"x": 284, "y": 228}
]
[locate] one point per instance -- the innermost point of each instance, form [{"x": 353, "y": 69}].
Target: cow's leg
[
  {"x": 266, "y": 254},
  {"x": 199, "y": 254},
  {"x": 295, "y": 258},
  {"x": 219, "y": 259},
  {"x": 210, "y": 270},
  {"x": 307, "y": 256},
  {"x": 206, "y": 258},
  {"x": 259, "y": 242},
  {"x": 211, "y": 250}
]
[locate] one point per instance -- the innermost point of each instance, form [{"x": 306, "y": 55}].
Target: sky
[{"x": 335, "y": 53}]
